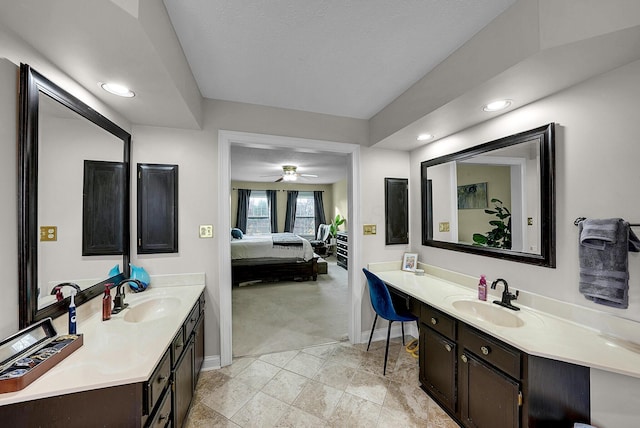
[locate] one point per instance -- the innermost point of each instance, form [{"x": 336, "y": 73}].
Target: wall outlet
[
  {"x": 48, "y": 233},
  {"x": 206, "y": 231},
  {"x": 369, "y": 229},
  {"x": 443, "y": 227},
  {"x": 530, "y": 221}
]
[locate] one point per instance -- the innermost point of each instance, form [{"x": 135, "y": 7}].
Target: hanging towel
[{"x": 604, "y": 260}]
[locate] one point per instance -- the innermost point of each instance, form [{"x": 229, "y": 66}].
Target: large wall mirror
[
  {"x": 58, "y": 134},
  {"x": 496, "y": 199}
]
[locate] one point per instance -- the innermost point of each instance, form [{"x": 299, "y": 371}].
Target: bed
[{"x": 275, "y": 257}]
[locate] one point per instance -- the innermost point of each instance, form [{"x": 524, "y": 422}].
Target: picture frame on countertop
[{"x": 410, "y": 262}]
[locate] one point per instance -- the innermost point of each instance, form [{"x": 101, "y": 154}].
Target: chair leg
[
  {"x": 372, "y": 328},
  {"x": 386, "y": 351},
  {"x": 402, "y": 324}
]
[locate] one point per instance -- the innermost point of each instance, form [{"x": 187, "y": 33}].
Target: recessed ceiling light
[
  {"x": 497, "y": 105},
  {"x": 424, "y": 137},
  {"x": 117, "y": 89}
]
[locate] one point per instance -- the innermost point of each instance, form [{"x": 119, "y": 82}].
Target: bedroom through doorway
[{"x": 287, "y": 310}]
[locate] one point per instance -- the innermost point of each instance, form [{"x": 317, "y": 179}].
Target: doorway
[{"x": 226, "y": 139}]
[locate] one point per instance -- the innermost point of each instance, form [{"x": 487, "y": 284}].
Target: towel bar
[{"x": 579, "y": 219}]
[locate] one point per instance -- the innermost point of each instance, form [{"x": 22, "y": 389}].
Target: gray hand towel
[{"x": 604, "y": 260}]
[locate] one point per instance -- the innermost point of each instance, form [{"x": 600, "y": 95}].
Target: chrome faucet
[
  {"x": 57, "y": 290},
  {"x": 506, "y": 296},
  {"x": 118, "y": 300}
]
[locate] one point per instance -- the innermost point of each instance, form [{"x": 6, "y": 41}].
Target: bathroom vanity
[
  {"x": 488, "y": 366},
  {"x": 139, "y": 369}
]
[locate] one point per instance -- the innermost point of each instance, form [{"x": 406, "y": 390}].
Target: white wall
[{"x": 597, "y": 152}]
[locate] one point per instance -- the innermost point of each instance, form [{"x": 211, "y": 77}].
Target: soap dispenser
[
  {"x": 482, "y": 288},
  {"x": 106, "y": 302}
]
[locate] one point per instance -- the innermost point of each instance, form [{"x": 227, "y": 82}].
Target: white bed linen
[{"x": 258, "y": 246}]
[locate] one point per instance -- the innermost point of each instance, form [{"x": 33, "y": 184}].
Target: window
[
  {"x": 258, "y": 220},
  {"x": 305, "y": 215}
]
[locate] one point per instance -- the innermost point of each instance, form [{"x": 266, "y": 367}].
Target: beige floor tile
[
  {"x": 408, "y": 399},
  {"x": 318, "y": 399},
  {"x": 201, "y": 416},
  {"x": 239, "y": 364},
  {"x": 348, "y": 355},
  {"x": 397, "y": 418},
  {"x": 258, "y": 374},
  {"x": 227, "y": 399},
  {"x": 321, "y": 351},
  {"x": 262, "y": 411},
  {"x": 406, "y": 369},
  {"x": 335, "y": 375},
  {"x": 279, "y": 359},
  {"x": 296, "y": 418},
  {"x": 352, "y": 412},
  {"x": 373, "y": 361},
  {"x": 208, "y": 381},
  {"x": 368, "y": 386},
  {"x": 305, "y": 364},
  {"x": 438, "y": 418},
  {"x": 285, "y": 386}
]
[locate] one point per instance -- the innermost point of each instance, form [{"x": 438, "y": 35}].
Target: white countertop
[
  {"x": 543, "y": 334},
  {"x": 116, "y": 352}
]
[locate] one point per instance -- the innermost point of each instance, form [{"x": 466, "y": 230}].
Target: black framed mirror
[
  {"x": 496, "y": 199},
  {"x": 57, "y": 132}
]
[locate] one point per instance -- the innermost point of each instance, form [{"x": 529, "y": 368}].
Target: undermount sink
[
  {"x": 152, "y": 309},
  {"x": 486, "y": 312}
]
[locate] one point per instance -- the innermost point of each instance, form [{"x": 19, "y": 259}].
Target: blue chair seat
[{"x": 383, "y": 307}]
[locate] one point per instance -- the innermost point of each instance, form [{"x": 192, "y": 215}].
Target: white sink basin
[
  {"x": 487, "y": 312},
  {"x": 152, "y": 309}
]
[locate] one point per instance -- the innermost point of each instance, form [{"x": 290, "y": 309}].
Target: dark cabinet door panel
[
  {"x": 157, "y": 208},
  {"x": 439, "y": 367}
]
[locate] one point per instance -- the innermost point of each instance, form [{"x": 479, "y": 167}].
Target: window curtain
[
  {"x": 319, "y": 209},
  {"x": 290, "y": 216},
  {"x": 243, "y": 209},
  {"x": 273, "y": 209}
]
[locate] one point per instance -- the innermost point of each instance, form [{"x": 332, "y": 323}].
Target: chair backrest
[
  {"x": 323, "y": 232},
  {"x": 380, "y": 297}
]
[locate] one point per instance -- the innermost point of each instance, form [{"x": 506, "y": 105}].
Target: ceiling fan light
[{"x": 289, "y": 177}]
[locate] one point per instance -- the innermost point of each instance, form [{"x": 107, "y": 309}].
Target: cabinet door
[
  {"x": 198, "y": 350},
  {"x": 438, "y": 367},
  {"x": 183, "y": 385},
  {"x": 157, "y": 208},
  {"x": 488, "y": 398}
]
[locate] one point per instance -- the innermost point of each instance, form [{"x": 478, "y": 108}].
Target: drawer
[
  {"x": 162, "y": 416},
  {"x": 177, "y": 345},
  {"x": 403, "y": 303},
  {"x": 158, "y": 382},
  {"x": 439, "y": 321},
  {"x": 489, "y": 349},
  {"x": 191, "y": 321}
]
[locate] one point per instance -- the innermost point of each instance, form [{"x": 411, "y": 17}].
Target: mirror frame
[
  {"x": 32, "y": 84},
  {"x": 547, "y": 256}
]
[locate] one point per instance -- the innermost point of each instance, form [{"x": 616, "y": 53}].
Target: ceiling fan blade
[
  {"x": 279, "y": 180},
  {"x": 308, "y": 175}
]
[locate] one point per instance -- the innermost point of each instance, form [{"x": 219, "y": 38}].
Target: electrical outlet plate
[
  {"x": 48, "y": 233},
  {"x": 369, "y": 229},
  {"x": 206, "y": 231}
]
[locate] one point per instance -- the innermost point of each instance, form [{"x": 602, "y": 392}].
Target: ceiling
[{"x": 343, "y": 58}]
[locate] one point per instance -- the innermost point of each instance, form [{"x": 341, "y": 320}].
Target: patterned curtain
[
  {"x": 319, "y": 209},
  {"x": 273, "y": 209},
  {"x": 290, "y": 216},
  {"x": 243, "y": 209}
]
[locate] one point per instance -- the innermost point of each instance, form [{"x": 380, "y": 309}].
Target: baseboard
[
  {"x": 410, "y": 329},
  {"x": 211, "y": 363}
]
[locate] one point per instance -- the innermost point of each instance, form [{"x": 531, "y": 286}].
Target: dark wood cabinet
[
  {"x": 157, "y": 208},
  {"x": 342, "y": 249},
  {"x": 483, "y": 382},
  {"x": 183, "y": 384}
]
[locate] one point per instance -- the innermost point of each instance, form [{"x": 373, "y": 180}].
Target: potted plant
[
  {"x": 334, "y": 227},
  {"x": 500, "y": 236}
]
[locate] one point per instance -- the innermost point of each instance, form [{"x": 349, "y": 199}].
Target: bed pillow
[{"x": 236, "y": 233}]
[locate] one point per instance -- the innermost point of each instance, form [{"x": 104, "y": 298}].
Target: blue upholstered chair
[{"x": 383, "y": 306}]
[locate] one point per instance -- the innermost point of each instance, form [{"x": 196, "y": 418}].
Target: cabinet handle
[
  {"x": 447, "y": 347},
  {"x": 434, "y": 321},
  {"x": 464, "y": 358},
  {"x": 163, "y": 417},
  {"x": 162, "y": 378},
  {"x": 485, "y": 350}
]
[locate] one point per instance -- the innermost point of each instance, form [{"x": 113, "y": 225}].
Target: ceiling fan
[{"x": 289, "y": 173}]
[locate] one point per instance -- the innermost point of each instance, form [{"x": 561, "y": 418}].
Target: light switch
[
  {"x": 48, "y": 233},
  {"x": 206, "y": 231},
  {"x": 369, "y": 229},
  {"x": 443, "y": 226}
]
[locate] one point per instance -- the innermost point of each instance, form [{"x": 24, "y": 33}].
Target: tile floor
[{"x": 334, "y": 385}]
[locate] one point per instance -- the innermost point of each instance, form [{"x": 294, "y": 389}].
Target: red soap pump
[{"x": 482, "y": 288}]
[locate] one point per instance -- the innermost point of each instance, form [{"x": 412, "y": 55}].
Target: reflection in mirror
[
  {"x": 58, "y": 133},
  {"x": 496, "y": 199}
]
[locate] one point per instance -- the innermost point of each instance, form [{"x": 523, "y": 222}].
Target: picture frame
[{"x": 410, "y": 262}]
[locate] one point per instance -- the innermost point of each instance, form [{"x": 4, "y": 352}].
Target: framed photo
[{"x": 410, "y": 262}]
